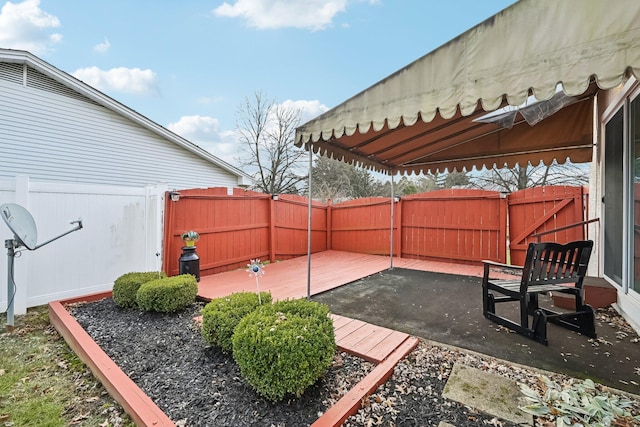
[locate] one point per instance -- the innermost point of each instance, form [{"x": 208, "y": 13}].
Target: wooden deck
[
  {"x": 329, "y": 270},
  {"x": 370, "y": 342}
]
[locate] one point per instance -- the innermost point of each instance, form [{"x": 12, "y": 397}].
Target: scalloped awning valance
[{"x": 424, "y": 116}]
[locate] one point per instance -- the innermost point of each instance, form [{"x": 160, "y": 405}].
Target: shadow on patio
[{"x": 441, "y": 302}]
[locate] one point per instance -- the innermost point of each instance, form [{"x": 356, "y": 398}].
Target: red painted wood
[
  {"x": 539, "y": 209},
  {"x": 339, "y": 321},
  {"x": 138, "y": 405},
  {"x": 362, "y": 225},
  {"x": 381, "y": 350},
  {"x": 456, "y": 225},
  {"x": 350, "y": 403},
  {"x": 450, "y": 225}
]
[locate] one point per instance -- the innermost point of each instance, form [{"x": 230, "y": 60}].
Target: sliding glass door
[
  {"x": 634, "y": 138},
  {"x": 613, "y": 197},
  {"x": 621, "y": 210}
]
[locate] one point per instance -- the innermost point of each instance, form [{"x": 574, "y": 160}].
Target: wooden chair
[{"x": 549, "y": 267}]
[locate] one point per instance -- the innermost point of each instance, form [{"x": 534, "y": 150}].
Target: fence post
[
  {"x": 21, "y": 268},
  {"x": 329, "y": 215},
  {"x": 272, "y": 229},
  {"x": 397, "y": 241},
  {"x": 154, "y": 199},
  {"x": 169, "y": 226},
  {"x": 503, "y": 236}
]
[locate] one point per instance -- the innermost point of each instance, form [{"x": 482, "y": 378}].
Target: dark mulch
[{"x": 198, "y": 385}]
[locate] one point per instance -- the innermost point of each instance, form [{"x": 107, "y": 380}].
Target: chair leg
[
  {"x": 532, "y": 303},
  {"x": 540, "y": 327},
  {"x": 524, "y": 312},
  {"x": 488, "y": 302},
  {"x": 583, "y": 321}
]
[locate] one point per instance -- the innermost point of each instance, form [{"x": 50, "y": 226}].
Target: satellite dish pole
[{"x": 21, "y": 223}]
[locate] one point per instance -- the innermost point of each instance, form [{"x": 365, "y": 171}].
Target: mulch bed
[{"x": 198, "y": 385}]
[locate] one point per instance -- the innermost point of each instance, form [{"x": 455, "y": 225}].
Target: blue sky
[{"x": 188, "y": 65}]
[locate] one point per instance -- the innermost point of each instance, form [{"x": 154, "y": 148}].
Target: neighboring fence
[
  {"x": 122, "y": 233},
  {"x": 447, "y": 225}
]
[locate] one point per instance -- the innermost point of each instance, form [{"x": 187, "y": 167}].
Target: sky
[{"x": 189, "y": 65}]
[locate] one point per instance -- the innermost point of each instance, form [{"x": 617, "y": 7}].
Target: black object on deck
[{"x": 548, "y": 267}]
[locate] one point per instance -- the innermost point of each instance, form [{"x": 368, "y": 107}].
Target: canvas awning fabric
[{"x": 424, "y": 116}]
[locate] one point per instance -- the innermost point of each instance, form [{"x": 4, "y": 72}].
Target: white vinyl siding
[{"x": 50, "y": 136}]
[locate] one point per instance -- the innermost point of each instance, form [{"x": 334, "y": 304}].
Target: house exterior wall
[
  {"x": 64, "y": 155},
  {"x": 53, "y": 134}
]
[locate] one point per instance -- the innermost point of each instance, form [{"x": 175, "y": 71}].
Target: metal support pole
[
  {"x": 393, "y": 200},
  {"x": 11, "y": 286},
  {"x": 309, "y": 225}
]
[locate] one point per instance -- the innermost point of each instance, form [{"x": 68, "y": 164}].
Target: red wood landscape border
[{"x": 145, "y": 412}]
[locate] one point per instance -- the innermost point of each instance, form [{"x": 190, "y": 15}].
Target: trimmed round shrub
[
  {"x": 168, "y": 294},
  {"x": 281, "y": 353},
  {"x": 221, "y": 315},
  {"x": 126, "y": 287}
]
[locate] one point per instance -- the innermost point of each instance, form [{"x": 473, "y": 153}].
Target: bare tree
[
  {"x": 518, "y": 178},
  {"x": 267, "y": 131},
  {"x": 336, "y": 180},
  {"x": 424, "y": 183}
]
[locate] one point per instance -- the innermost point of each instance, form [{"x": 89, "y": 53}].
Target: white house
[{"x": 68, "y": 150}]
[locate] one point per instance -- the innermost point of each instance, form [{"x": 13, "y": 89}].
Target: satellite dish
[{"x": 20, "y": 221}]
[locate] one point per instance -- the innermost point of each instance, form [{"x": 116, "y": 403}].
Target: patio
[{"x": 440, "y": 302}]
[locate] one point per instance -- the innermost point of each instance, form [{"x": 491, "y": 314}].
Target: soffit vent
[
  {"x": 40, "y": 81},
  {"x": 11, "y": 72}
]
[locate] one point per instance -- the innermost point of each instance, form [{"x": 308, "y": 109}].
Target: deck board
[{"x": 329, "y": 270}]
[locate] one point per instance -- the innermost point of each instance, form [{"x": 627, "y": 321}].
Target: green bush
[
  {"x": 168, "y": 294},
  {"x": 126, "y": 287},
  {"x": 221, "y": 315},
  {"x": 281, "y": 353}
]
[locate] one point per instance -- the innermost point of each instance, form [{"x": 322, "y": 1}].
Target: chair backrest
[{"x": 555, "y": 263}]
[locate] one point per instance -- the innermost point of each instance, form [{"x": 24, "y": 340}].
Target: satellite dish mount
[{"x": 25, "y": 234}]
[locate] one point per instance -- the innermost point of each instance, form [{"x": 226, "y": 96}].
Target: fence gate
[{"x": 539, "y": 209}]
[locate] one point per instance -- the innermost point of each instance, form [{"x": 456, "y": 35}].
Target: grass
[{"x": 43, "y": 383}]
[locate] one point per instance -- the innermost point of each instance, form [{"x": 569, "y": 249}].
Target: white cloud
[
  {"x": 308, "y": 109},
  {"x": 102, "y": 47},
  {"x": 205, "y": 132},
  {"x": 121, "y": 79},
  {"x": 273, "y": 14},
  {"x": 25, "y": 26}
]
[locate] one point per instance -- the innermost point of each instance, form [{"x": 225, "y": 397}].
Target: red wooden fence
[
  {"x": 290, "y": 225},
  {"x": 362, "y": 225},
  {"x": 454, "y": 225},
  {"x": 539, "y": 209},
  {"x": 238, "y": 226},
  {"x": 457, "y": 225}
]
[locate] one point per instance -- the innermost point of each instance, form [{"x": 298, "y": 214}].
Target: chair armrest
[
  {"x": 495, "y": 264},
  {"x": 515, "y": 270}
]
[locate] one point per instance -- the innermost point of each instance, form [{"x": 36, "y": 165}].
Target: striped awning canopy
[{"x": 536, "y": 66}]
